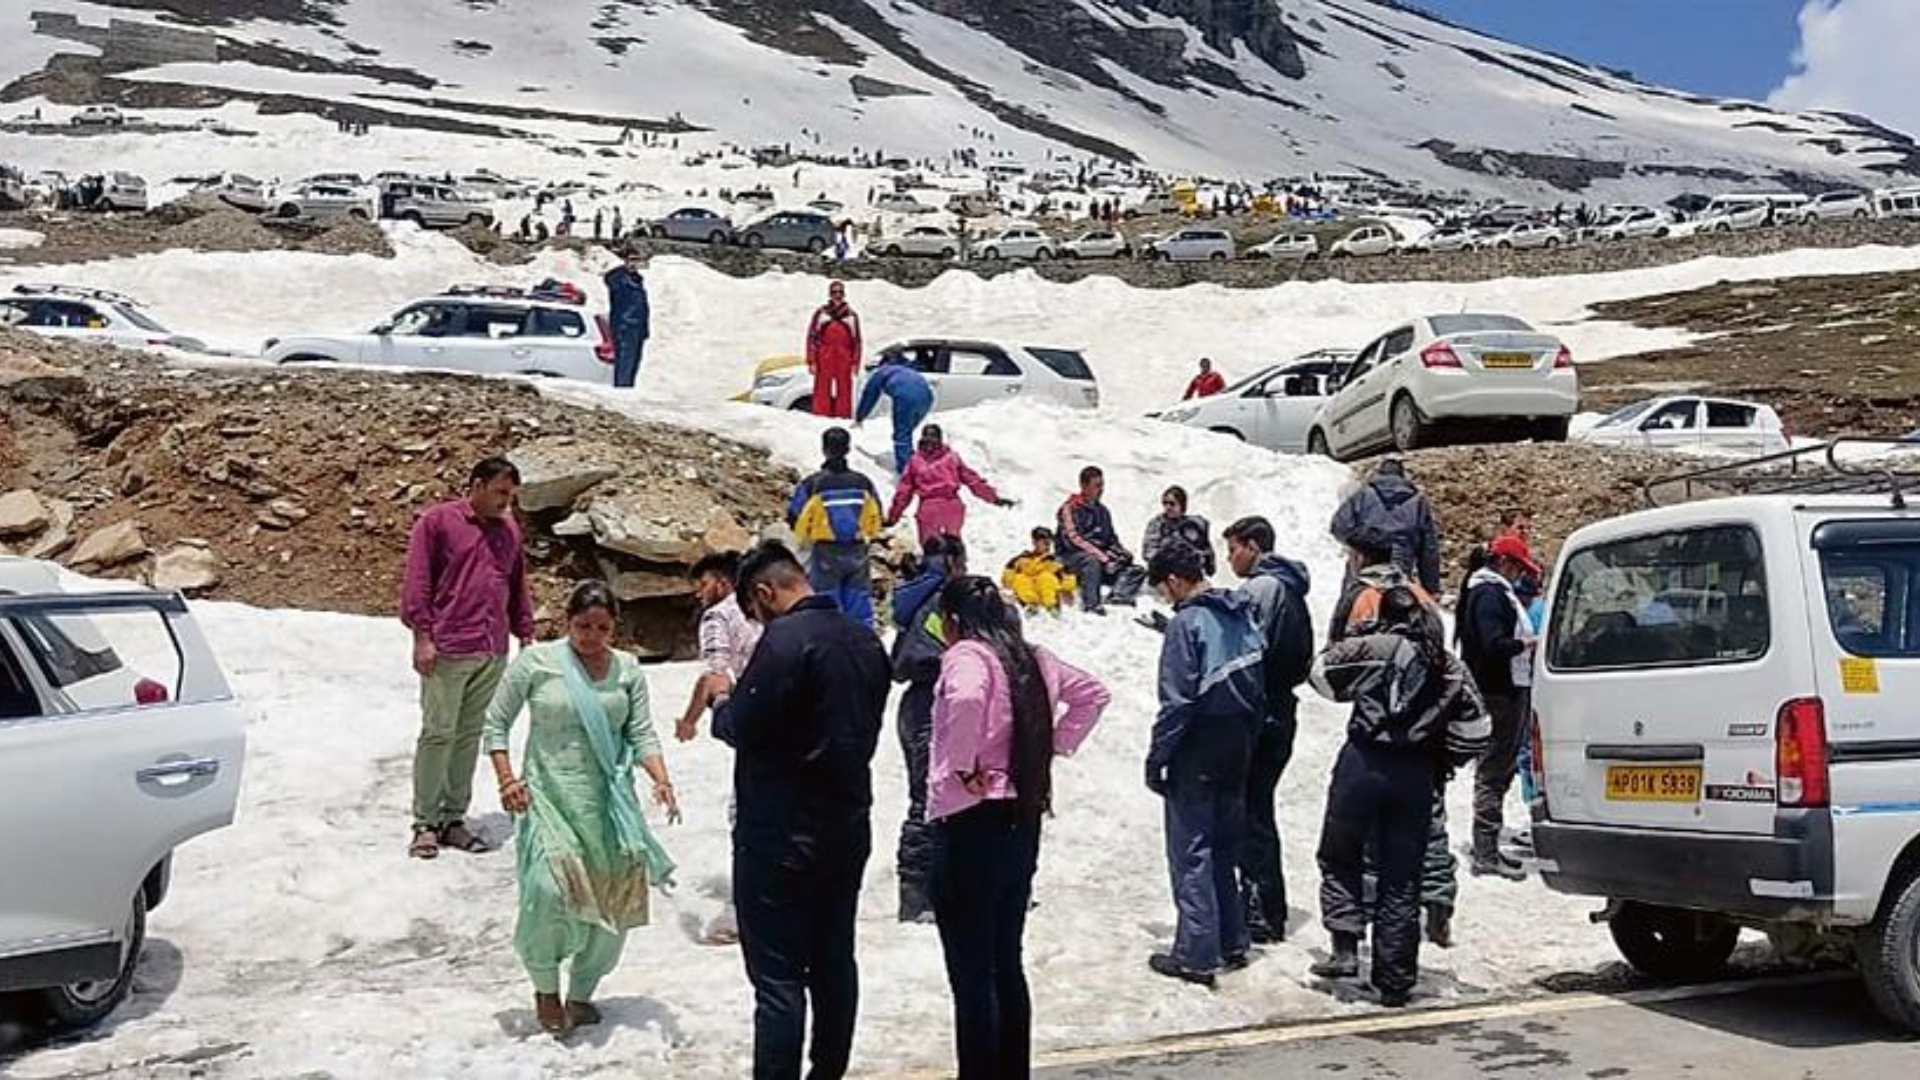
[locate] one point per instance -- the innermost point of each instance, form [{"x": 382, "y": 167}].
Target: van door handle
[
  {"x": 175, "y": 773},
  {"x": 1673, "y": 752}
]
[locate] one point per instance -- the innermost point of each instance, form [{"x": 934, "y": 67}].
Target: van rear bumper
[{"x": 1784, "y": 877}]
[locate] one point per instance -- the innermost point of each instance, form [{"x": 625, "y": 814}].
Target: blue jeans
[
  {"x": 840, "y": 570},
  {"x": 628, "y": 344},
  {"x": 906, "y": 420}
]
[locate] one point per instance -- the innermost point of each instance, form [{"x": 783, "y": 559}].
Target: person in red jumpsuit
[{"x": 833, "y": 354}]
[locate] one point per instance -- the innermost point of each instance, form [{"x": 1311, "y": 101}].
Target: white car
[
  {"x": 1442, "y": 373},
  {"x": 1287, "y": 246},
  {"x": 241, "y": 192},
  {"x": 1528, "y": 236},
  {"x": 1638, "y": 225},
  {"x": 927, "y": 241},
  {"x": 65, "y": 311},
  {"x": 1365, "y": 242},
  {"x": 1097, "y": 244},
  {"x": 99, "y": 116},
  {"x": 1273, "y": 409},
  {"x": 1692, "y": 423},
  {"x": 1726, "y": 736},
  {"x": 119, "y": 741},
  {"x": 962, "y": 373},
  {"x": 1017, "y": 242},
  {"x": 324, "y": 202},
  {"x": 1836, "y": 205},
  {"x": 1442, "y": 240},
  {"x": 895, "y": 202},
  {"x": 1734, "y": 218},
  {"x": 1192, "y": 244},
  {"x": 485, "y": 330}
]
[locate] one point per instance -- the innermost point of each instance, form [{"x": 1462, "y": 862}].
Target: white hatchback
[
  {"x": 1097, "y": 244},
  {"x": 1017, "y": 242},
  {"x": 1441, "y": 375},
  {"x": 1837, "y": 205},
  {"x": 1364, "y": 243},
  {"x": 1287, "y": 246},
  {"x": 1272, "y": 409},
  {"x": 926, "y": 241},
  {"x": 962, "y": 373},
  {"x": 1528, "y": 236},
  {"x": 1696, "y": 424}
]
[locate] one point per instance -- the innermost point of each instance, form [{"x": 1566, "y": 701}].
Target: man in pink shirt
[{"x": 464, "y": 593}]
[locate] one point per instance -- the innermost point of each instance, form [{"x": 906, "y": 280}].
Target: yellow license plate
[
  {"x": 1653, "y": 783},
  {"x": 1507, "y": 360}
]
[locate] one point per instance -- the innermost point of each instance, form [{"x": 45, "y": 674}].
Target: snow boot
[
  {"x": 1440, "y": 925},
  {"x": 1163, "y": 964},
  {"x": 1498, "y": 864},
  {"x": 1343, "y": 962}
]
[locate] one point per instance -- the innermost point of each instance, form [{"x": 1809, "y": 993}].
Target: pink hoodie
[
  {"x": 937, "y": 479},
  {"x": 973, "y": 724}
]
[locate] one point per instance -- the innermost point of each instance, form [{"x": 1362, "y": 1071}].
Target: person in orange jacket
[
  {"x": 1206, "y": 384},
  {"x": 833, "y": 354}
]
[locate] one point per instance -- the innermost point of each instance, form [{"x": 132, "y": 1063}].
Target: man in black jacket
[
  {"x": 1497, "y": 641},
  {"x": 917, "y": 649},
  {"x": 1277, "y": 586},
  {"x": 1389, "y": 511},
  {"x": 1092, "y": 550},
  {"x": 804, "y": 717}
]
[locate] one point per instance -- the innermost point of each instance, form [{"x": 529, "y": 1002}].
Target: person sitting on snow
[{"x": 1035, "y": 576}]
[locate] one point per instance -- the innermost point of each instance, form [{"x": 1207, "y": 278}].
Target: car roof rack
[
  {"x": 552, "y": 290},
  {"x": 497, "y": 292},
  {"x": 1820, "y": 469},
  {"x": 50, "y": 289}
]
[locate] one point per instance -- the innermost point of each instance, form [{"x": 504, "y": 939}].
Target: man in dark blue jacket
[
  {"x": 1092, "y": 551},
  {"x": 1497, "y": 643},
  {"x": 1277, "y": 588},
  {"x": 630, "y": 316},
  {"x": 1212, "y": 700},
  {"x": 917, "y": 647},
  {"x": 804, "y": 718},
  {"x": 912, "y": 399},
  {"x": 837, "y": 511}
]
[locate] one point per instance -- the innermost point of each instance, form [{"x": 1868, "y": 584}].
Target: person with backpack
[
  {"x": 1173, "y": 524},
  {"x": 1390, "y": 508},
  {"x": 1415, "y": 710},
  {"x": 917, "y": 648},
  {"x": 936, "y": 475},
  {"x": 911, "y": 398},
  {"x": 1277, "y": 587},
  {"x": 837, "y": 511},
  {"x": 1497, "y": 643}
]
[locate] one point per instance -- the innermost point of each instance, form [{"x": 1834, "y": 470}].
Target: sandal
[
  {"x": 460, "y": 838},
  {"x": 582, "y": 1014},
  {"x": 552, "y": 1015},
  {"x": 426, "y": 842}
]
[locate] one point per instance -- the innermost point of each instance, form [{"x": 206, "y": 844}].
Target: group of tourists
[{"x": 795, "y": 679}]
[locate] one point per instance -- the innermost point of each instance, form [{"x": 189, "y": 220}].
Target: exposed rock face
[
  {"x": 188, "y": 566},
  {"x": 556, "y": 472},
  {"x": 112, "y": 546},
  {"x": 22, "y": 513}
]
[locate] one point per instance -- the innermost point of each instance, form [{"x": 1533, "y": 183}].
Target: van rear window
[
  {"x": 1872, "y": 579},
  {"x": 1688, "y": 598}
]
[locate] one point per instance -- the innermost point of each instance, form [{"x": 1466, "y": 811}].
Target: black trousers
[
  {"x": 1383, "y": 797},
  {"x": 984, "y": 861},
  {"x": 1263, "y": 882},
  {"x": 1493, "y": 774},
  {"x": 797, "y": 897},
  {"x": 914, "y": 859}
]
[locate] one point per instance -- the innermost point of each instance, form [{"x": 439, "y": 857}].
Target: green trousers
[
  {"x": 590, "y": 951},
  {"x": 453, "y": 707}
]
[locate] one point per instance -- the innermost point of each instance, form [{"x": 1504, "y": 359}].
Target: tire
[
  {"x": 1043, "y": 255},
  {"x": 1317, "y": 444},
  {"x": 947, "y": 253},
  {"x": 1889, "y": 953},
  {"x": 992, "y": 254},
  {"x": 1662, "y": 232},
  {"x": 1504, "y": 245},
  {"x": 1551, "y": 431},
  {"x": 357, "y": 214},
  {"x": 81, "y": 1005},
  {"x": 476, "y": 219},
  {"x": 1672, "y": 945},
  {"x": 1861, "y": 215},
  {"x": 1164, "y": 256},
  {"x": 756, "y": 241},
  {"x": 717, "y": 238},
  {"x": 1552, "y": 243},
  {"x": 414, "y": 217},
  {"x": 1218, "y": 256},
  {"x": 805, "y": 404},
  {"x": 1409, "y": 429},
  {"x": 816, "y": 246},
  {"x": 892, "y": 252},
  {"x": 287, "y": 212}
]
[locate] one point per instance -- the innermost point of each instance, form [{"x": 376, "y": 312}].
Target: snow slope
[{"x": 1237, "y": 90}]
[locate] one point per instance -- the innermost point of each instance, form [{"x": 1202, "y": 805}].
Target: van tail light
[
  {"x": 1440, "y": 355},
  {"x": 603, "y": 349},
  {"x": 1563, "y": 360},
  {"x": 1537, "y": 762},
  {"x": 1801, "y": 754},
  {"x": 148, "y": 692}
]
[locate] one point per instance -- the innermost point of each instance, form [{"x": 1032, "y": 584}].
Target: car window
[
  {"x": 495, "y": 322},
  {"x": 427, "y": 320},
  {"x": 109, "y": 659},
  {"x": 139, "y": 318},
  {"x": 1363, "y": 365},
  {"x": 1695, "y": 597},
  {"x": 1872, "y": 590},
  {"x": 1727, "y": 414},
  {"x": 1066, "y": 363},
  {"x": 17, "y": 698},
  {"x": 14, "y": 312},
  {"x": 553, "y": 322},
  {"x": 1627, "y": 415},
  {"x": 1674, "y": 416},
  {"x": 991, "y": 363},
  {"x": 65, "y": 314},
  {"x": 1398, "y": 342},
  {"x": 1447, "y": 325}
]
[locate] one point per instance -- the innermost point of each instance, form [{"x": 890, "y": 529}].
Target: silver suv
[{"x": 430, "y": 204}]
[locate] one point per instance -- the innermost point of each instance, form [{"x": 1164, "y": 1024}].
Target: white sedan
[
  {"x": 1098, "y": 244},
  {"x": 1527, "y": 236},
  {"x": 1273, "y": 409},
  {"x": 926, "y": 241},
  {"x": 65, "y": 311},
  {"x": 1638, "y": 225},
  {"x": 1692, "y": 424},
  {"x": 1442, "y": 240},
  {"x": 962, "y": 372},
  {"x": 317, "y": 202},
  {"x": 1287, "y": 246},
  {"x": 1446, "y": 374},
  {"x": 1017, "y": 242}
]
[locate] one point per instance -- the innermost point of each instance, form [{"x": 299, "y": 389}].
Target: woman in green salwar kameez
[{"x": 586, "y": 857}]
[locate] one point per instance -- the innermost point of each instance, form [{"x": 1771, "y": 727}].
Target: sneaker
[
  {"x": 1163, "y": 964},
  {"x": 1440, "y": 926},
  {"x": 1343, "y": 962},
  {"x": 1499, "y": 866}
]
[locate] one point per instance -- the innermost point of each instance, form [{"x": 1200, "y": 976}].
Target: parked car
[
  {"x": 1638, "y": 225},
  {"x": 1428, "y": 380},
  {"x": 758, "y": 199},
  {"x": 692, "y": 223},
  {"x": 1692, "y": 423},
  {"x": 1836, "y": 205},
  {"x": 897, "y": 202},
  {"x": 110, "y": 768},
  {"x": 116, "y": 191},
  {"x": 1901, "y": 202},
  {"x": 1016, "y": 242},
  {"x": 1098, "y": 244},
  {"x": 971, "y": 204},
  {"x": 1527, "y": 236},
  {"x": 1734, "y": 217},
  {"x": 486, "y": 330},
  {"x": 1364, "y": 242},
  {"x": 323, "y": 202},
  {"x": 1287, "y": 246},
  {"x": 790, "y": 230},
  {"x": 1454, "y": 238},
  {"x": 927, "y": 241},
  {"x": 66, "y": 311},
  {"x": 430, "y": 204},
  {"x": 100, "y": 116},
  {"x": 1272, "y": 409},
  {"x": 1725, "y": 735},
  {"x": 1157, "y": 202},
  {"x": 1192, "y": 244},
  {"x": 963, "y": 372},
  {"x": 242, "y": 192}
]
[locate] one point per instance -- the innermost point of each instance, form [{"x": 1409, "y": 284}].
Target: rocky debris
[
  {"x": 652, "y": 522},
  {"x": 114, "y": 545},
  {"x": 353, "y": 236},
  {"x": 187, "y": 566},
  {"x": 25, "y": 378},
  {"x": 556, "y": 472},
  {"x": 199, "y": 222},
  {"x": 482, "y": 240},
  {"x": 57, "y": 536},
  {"x": 23, "y": 514}
]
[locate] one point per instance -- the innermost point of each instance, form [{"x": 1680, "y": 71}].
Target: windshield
[
  {"x": 1627, "y": 415},
  {"x": 139, "y": 319},
  {"x": 1066, "y": 363},
  {"x": 1448, "y": 325}
]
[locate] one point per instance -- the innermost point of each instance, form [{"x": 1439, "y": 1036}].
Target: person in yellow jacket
[{"x": 1035, "y": 577}]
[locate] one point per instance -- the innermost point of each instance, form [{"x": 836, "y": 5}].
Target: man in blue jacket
[
  {"x": 912, "y": 398},
  {"x": 1212, "y": 700},
  {"x": 630, "y": 316},
  {"x": 917, "y": 649},
  {"x": 837, "y": 511}
]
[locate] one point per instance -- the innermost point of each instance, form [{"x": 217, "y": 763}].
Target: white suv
[
  {"x": 962, "y": 373},
  {"x": 65, "y": 311},
  {"x": 486, "y": 330},
  {"x": 1272, "y": 409},
  {"x": 1834, "y": 205},
  {"x": 119, "y": 741},
  {"x": 1192, "y": 245},
  {"x": 1725, "y": 727}
]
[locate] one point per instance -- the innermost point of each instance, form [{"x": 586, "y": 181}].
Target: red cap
[{"x": 1512, "y": 547}]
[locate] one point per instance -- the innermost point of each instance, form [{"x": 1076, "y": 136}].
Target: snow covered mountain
[{"x": 1236, "y": 88}]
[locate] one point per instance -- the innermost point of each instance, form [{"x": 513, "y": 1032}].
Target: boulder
[
  {"x": 186, "y": 567},
  {"x": 31, "y": 381},
  {"x": 118, "y": 543},
  {"x": 554, "y": 474},
  {"x": 630, "y": 586},
  {"x": 58, "y": 535},
  {"x": 656, "y": 524},
  {"x": 23, "y": 513}
]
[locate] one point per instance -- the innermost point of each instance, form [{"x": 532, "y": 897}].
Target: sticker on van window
[{"x": 1859, "y": 675}]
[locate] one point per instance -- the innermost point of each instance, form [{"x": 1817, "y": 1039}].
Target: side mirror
[{"x": 383, "y": 329}]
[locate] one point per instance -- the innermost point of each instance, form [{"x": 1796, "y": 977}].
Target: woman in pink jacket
[
  {"x": 936, "y": 474},
  {"x": 1001, "y": 711}
]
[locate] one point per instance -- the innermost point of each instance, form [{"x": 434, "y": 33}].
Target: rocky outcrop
[
  {"x": 187, "y": 566},
  {"x": 111, "y": 546}
]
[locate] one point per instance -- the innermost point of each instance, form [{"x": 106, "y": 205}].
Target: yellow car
[{"x": 767, "y": 367}]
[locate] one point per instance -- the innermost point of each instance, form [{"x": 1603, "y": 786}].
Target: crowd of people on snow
[{"x": 796, "y": 677}]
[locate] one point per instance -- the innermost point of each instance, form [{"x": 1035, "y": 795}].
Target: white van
[
  {"x": 1901, "y": 202},
  {"x": 1786, "y": 205},
  {"x": 1725, "y": 733}
]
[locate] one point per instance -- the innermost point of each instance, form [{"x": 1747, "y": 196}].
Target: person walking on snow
[
  {"x": 1002, "y": 710},
  {"x": 837, "y": 511},
  {"x": 1212, "y": 701},
  {"x": 1497, "y": 642},
  {"x": 1206, "y": 384},
  {"x": 911, "y": 398},
  {"x": 586, "y": 856},
  {"x": 833, "y": 354},
  {"x": 464, "y": 591},
  {"x": 1389, "y": 505},
  {"x": 630, "y": 315},
  {"x": 936, "y": 475},
  {"x": 1093, "y": 550},
  {"x": 916, "y": 663}
]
